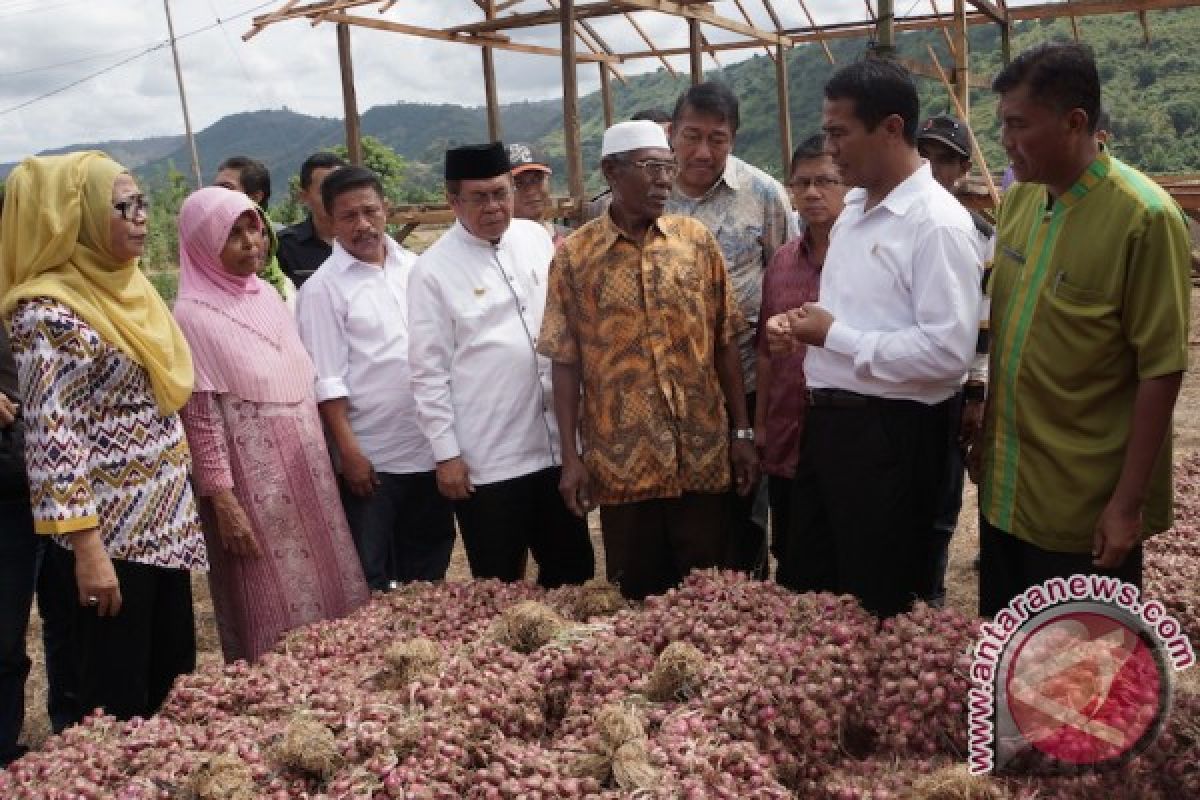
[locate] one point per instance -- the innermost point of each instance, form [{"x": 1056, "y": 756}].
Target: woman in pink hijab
[{"x": 279, "y": 545}]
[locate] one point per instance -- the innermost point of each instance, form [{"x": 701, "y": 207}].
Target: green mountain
[{"x": 1148, "y": 89}]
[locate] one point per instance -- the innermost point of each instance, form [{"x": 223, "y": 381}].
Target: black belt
[{"x": 836, "y": 398}]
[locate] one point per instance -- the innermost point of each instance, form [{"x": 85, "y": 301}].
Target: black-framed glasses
[
  {"x": 131, "y": 206},
  {"x": 821, "y": 182},
  {"x": 654, "y": 167}
]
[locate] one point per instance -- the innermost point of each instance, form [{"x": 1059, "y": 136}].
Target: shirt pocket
[{"x": 1072, "y": 293}]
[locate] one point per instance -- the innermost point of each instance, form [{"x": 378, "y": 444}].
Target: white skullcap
[{"x": 633, "y": 135}]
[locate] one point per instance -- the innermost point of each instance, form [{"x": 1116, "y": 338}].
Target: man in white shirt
[
  {"x": 889, "y": 344},
  {"x": 483, "y": 393},
  {"x": 353, "y": 318}
]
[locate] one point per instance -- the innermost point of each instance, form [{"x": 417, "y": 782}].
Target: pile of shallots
[{"x": 722, "y": 688}]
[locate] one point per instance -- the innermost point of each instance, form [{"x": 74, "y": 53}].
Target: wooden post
[
  {"x": 187, "y": 119},
  {"x": 606, "y": 94},
  {"x": 489, "y": 83},
  {"x": 571, "y": 138},
  {"x": 694, "y": 51},
  {"x": 349, "y": 98},
  {"x": 962, "y": 61},
  {"x": 785, "y": 117},
  {"x": 885, "y": 39},
  {"x": 1006, "y": 41},
  {"x": 976, "y": 153}
]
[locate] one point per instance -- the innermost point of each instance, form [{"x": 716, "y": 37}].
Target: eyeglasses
[
  {"x": 821, "y": 182},
  {"x": 652, "y": 167},
  {"x": 131, "y": 206},
  {"x": 484, "y": 199}
]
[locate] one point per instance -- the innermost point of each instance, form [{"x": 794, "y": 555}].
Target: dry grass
[{"x": 961, "y": 578}]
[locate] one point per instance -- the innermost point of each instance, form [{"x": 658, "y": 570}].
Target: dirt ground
[{"x": 961, "y": 578}]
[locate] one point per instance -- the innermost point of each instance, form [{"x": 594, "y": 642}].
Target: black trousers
[
  {"x": 1008, "y": 566},
  {"x": 404, "y": 531},
  {"x": 127, "y": 663},
  {"x": 864, "y": 500},
  {"x": 779, "y": 494},
  {"x": 650, "y": 545},
  {"x": 502, "y": 522},
  {"x": 949, "y": 504},
  {"x": 747, "y": 545}
]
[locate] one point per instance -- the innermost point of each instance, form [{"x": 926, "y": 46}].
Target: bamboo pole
[
  {"x": 694, "y": 53},
  {"x": 349, "y": 97},
  {"x": 976, "y": 153},
  {"x": 785, "y": 117},
  {"x": 187, "y": 118},
  {"x": 571, "y": 137},
  {"x": 962, "y": 59},
  {"x": 606, "y": 95}
]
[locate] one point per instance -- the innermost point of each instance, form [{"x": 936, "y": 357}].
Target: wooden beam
[
  {"x": 990, "y": 9},
  {"x": 1074, "y": 22},
  {"x": 491, "y": 98},
  {"x": 598, "y": 45},
  {"x": 695, "y": 56},
  {"x": 1144, "y": 19},
  {"x": 596, "y": 9},
  {"x": 349, "y": 97},
  {"x": 571, "y": 138},
  {"x": 478, "y": 41},
  {"x": 261, "y": 22},
  {"x": 976, "y": 153},
  {"x": 650, "y": 43},
  {"x": 749, "y": 21},
  {"x": 945, "y": 30},
  {"x": 785, "y": 116},
  {"x": 821, "y": 39},
  {"x": 606, "y": 97},
  {"x": 962, "y": 60}
]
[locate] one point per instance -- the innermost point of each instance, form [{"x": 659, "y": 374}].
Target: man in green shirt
[{"x": 1089, "y": 319}]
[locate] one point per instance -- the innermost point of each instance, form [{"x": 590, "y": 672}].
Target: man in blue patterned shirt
[{"x": 749, "y": 213}]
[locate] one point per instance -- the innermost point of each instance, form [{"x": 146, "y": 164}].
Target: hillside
[{"x": 1149, "y": 90}]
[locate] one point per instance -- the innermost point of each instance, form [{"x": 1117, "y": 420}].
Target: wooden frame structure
[{"x": 581, "y": 43}]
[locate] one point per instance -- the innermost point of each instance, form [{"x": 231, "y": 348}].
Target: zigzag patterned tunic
[{"x": 98, "y": 451}]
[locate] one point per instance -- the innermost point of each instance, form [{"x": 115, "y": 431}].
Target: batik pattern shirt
[
  {"x": 643, "y": 320},
  {"x": 750, "y": 214},
  {"x": 100, "y": 453}
]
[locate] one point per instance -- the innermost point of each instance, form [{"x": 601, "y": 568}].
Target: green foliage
[
  {"x": 162, "y": 234},
  {"x": 385, "y": 163}
]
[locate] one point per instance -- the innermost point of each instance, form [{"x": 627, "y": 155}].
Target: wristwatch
[{"x": 743, "y": 433}]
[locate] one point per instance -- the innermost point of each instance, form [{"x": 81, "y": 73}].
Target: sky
[{"x": 79, "y": 71}]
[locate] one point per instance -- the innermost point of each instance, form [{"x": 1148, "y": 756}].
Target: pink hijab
[{"x": 258, "y": 358}]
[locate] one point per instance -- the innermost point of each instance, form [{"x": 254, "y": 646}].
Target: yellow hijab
[{"x": 55, "y": 242}]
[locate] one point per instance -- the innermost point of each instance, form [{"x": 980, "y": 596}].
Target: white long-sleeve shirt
[
  {"x": 353, "y": 320},
  {"x": 482, "y": 391},
  {"x": 903, "y": 283}
]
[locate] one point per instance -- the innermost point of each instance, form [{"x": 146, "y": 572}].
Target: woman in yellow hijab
[{"x": 103, "y": 370}]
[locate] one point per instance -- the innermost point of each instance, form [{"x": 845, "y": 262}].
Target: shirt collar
[
  {"x": 345, "y": 261},
  {"x": 461, "y": 234},
  {"x": 1096, "y": 172},
  {"x": 902, "y": 195},
  {"x": 611, "y": 233},
  {"x": 731, "y": 177}
]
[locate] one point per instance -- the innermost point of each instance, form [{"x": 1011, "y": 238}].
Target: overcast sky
[{"x": 48, "y": 45}]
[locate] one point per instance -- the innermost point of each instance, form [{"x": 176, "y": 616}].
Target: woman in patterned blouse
[{"x": 103, "y": 370}]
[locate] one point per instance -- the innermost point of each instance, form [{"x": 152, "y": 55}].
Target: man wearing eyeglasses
[
  {"x": 475, "y": 307},
  {"x": 749, "y": 213},
  {"x": 641, "y": 320},
  {"x": 793, "y": 278}
]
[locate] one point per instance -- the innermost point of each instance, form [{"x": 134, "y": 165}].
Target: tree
[
  {"x": 384, "y": 162},
  {"x": 162, "y": 235}
]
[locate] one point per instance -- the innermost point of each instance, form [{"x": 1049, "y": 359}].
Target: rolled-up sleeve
[
  {"x": 939, "y": 346},
  {"x": 430, "y": 355},
  {"x": 321, "y": 319}
]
